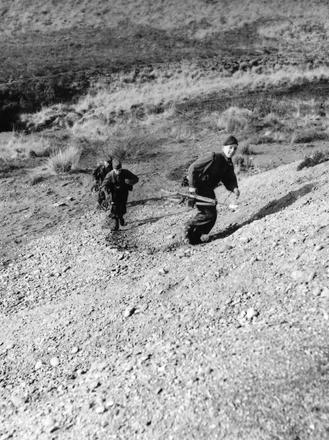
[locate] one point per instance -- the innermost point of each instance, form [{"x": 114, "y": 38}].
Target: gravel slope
[{"x": 140, "y": 336}]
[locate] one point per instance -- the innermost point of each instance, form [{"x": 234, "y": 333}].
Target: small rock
[
  {"x": 311, "y": 276},
  {"x": 163, "y": 271},
  {"x": 38, "y": 365},
  {"x": 74, "y": 350},
  {"x": 251, "y": 313},
  {"x": 17, "y": 401},
  {"x": 297, "y": 275},
  {"x": 54, "y": 362},
  {"x": 100, "y": 409},
  {"x": 50, "y": 424},
  {"x": 319, "y": 247},
  {"x": 129, "y": 312},
  {"x": 325, "y": 292},
  {"x": 109, "y": 403},
  {"x": 316, "y": 291},
  {"x": 245, "y": 240}
]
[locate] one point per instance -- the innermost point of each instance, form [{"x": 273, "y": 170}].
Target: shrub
[
  {"x": 65, "y": 160},
  {"x": 247, "y": 150},
  {"x": 243, "y": 163},
  {"x": 38, "y": 177},
  {"x": 20, "y": 146},
  {"x": 234, "y": 119},
  {"x": 314, "y": 159},
  {"x": 309, "y": 135}
]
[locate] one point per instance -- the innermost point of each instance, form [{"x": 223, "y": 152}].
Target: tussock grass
[
  {"x": 309, "y": 135},
  {"x": 38, "y": 177},
  {"x": 107, "y": 104},
  {"x": 243, "y": 163},
  {"x": 314, "y": 159},
  {"x": 247, "y": 150},
  {"x": 234, "y": 119},
  {"x": 19, "y": 146},
  {"x": 64, "y": 160}
]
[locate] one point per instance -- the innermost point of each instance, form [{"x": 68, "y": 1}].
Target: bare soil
[{"x": 137, "y": 335}]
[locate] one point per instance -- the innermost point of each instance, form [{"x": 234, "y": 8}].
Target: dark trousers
[{"x": 204, "y": 220}]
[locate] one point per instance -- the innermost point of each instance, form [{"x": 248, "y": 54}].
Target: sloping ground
[
  {"x": 45, "y": 15},
  {"x": 139, "y": 336}
]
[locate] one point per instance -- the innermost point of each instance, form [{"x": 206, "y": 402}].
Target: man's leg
[
  {"x": 202, "y": 223},
  {"x": 116, "y": 224}
]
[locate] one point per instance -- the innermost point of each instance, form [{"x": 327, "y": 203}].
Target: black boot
[
  {"x": 116, "y": 225},
  {"x": 191, "y": 236}
]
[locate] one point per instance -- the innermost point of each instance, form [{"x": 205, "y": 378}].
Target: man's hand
[
  {"x": 191, "y": 202},
  {"x": 236, "y": 191}
]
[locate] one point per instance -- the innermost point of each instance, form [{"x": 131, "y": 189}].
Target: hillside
[
  {"x": 53, "y": 52},
  {"x": 138, "y": 335},
  {"x": 135, "y": 334}
]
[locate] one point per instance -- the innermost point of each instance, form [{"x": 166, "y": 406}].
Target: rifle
[{"x": 200, "y": 200}]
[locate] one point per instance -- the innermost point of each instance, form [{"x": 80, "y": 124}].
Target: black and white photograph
[{"x": 164, "y": 220}]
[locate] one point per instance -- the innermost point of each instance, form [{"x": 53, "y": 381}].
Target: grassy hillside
[
  {"x": 53, "y": 51},
  {"x": 220, "y": 14}
]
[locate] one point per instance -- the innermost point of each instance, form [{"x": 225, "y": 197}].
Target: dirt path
[{"x": 140, "y": 336}]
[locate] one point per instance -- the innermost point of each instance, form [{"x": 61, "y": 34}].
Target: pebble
[
  {"x": 129, "y": 312},
  {"x": 109, "y": 403},
  {"x": 163, "y": 271},
  {"x": 100, "y": 409},
  {"x": 54, "y": 362},
  {"x": 297, "y": 275},
  {"x": 325, "y": 292},
  {"x": 38, "y": 365},
  {"x": 251, "y": 313},
  {"x": 245, "y": 240},
  {"x": 74, "y": 350},
  {"x": 316, "y": 291}
]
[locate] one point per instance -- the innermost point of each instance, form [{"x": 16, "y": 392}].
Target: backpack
[{"x": 203, "y": 176}]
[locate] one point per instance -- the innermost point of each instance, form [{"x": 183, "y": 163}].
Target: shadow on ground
[{"x": 271, "y": 208}]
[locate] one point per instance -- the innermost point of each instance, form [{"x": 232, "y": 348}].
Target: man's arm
[
  {"x": 230, "y": 182},
  {"x": 106, "y": 184},
  {"x": 130, "y": 178}
]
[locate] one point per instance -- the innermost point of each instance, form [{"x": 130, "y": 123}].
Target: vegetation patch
[
  {"x": 20, "y": 147},
  {"x": 314, "y": 159},
  {"x": 64, "y": 161},
  {"x": 309, "y": 135}
]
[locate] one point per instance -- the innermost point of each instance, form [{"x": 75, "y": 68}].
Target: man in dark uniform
[
  {"x": 204, "y": 175},
  {"x": 99, "y": 174},
  {"x": 116, "y": 187}
]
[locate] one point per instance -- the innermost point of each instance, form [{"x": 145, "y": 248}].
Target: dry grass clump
[
  {"x": 314, "y": 159},
  {"x": 20, "y": 146},
  {"x": 134, "y": 143},
  {"x": 105, "y": 103},
  {"x": 64, "y": 160},
  {"x": 309, "y": 135},
  {"x": 246, "y": 150},
  {"x": 92, "y": 129},
  {"x": 234, "y": 119},
  {"x": 38, "y": 176},
  {"x": 243, "y": 163}
]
